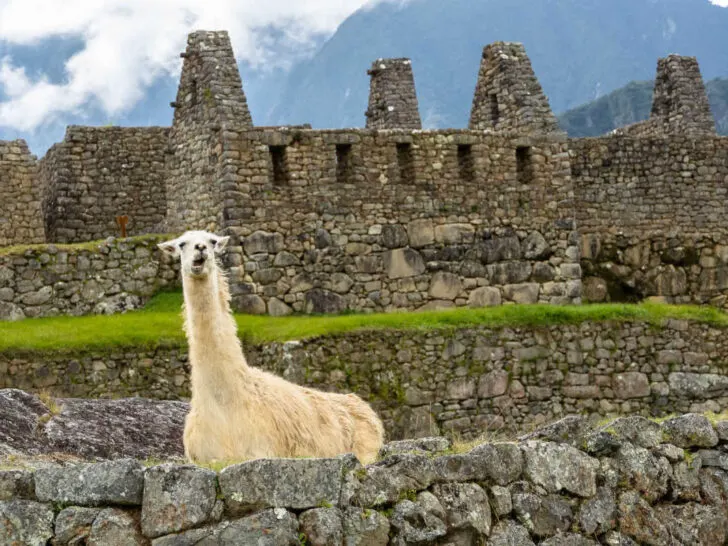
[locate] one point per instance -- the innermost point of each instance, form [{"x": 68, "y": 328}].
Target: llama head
[{"x": 197, "y": 251}]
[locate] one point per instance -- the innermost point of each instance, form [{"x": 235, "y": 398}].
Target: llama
[{"x": 238, "y": 412}]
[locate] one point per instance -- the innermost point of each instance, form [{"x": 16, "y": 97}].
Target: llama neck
[{"x": 214, "y": 347}]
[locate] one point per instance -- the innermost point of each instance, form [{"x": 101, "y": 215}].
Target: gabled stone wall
[{"x": 21, "y": 195}]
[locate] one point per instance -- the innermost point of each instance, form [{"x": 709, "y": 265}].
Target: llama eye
[
  {"x": 182, "y": 245},
  {"x": 213, "y": 241}
]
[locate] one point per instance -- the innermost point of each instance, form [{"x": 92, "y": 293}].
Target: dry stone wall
[
  {"x": 392, "y": 97},
  {"x": 105, "y": 277},
  {"x": 455, "y": 382},
  {"x": 651, "y": 216},
  {"x": 404, "y": 221},
  {"x": 21, "y": 194},
  {"x": 630, "y": 481},
  {"x": 99, "y": 173}
]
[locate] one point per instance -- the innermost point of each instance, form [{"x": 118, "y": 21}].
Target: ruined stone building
[{"x": 386, "y": 217}]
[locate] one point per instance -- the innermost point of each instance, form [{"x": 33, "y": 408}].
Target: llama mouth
[{"x": 198, "y": 264}]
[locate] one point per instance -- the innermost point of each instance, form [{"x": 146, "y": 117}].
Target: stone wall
[
  {"x": 631, "y": 481},
  {"x": 403, "y": 221},
  {"x": 679, "y": 104},
  {"x": 99, "y": 173},
  {"x": 392, "y": 97},
  {"x": 102, "y": 277},
  {"x": 508, "y": 96},
  {"x": 21, "y": 221},
  {"x": 210, "y": 102},
  {"x": 651, "y": 214},
  {"x": 455, "y": 382}
]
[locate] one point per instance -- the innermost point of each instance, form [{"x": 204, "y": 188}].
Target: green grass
[
  {"x": 76, "y": 247},
  {"x": 160, "y": 323}
]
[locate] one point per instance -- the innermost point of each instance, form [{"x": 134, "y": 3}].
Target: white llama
[{"x": 239, "y": 412}]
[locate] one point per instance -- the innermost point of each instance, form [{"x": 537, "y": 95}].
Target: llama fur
[{"x": 238, "y": 412}]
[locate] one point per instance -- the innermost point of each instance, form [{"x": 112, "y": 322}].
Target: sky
[{"x": 126, "y": 45}]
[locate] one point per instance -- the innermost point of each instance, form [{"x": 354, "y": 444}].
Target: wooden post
[{"x": 121, "y": 222}]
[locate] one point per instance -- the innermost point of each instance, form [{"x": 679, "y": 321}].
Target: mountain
[
  {"x": 632, "y": 103},
  {"x": 580, "y": 49}
]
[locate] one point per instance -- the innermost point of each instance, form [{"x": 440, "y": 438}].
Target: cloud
[
  {"x": 131, "y": 43},
  {"x": 723, "y": 3}
]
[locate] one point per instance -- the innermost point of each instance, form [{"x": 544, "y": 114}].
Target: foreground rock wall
[
  {"x": 651, "y": 215},
  {"x": 103, "y": 277},
  {"x": 454, "y": 382},
  {"x": 631, "y": 481}
]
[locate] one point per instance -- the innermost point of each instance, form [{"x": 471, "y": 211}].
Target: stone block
[
  {"x": 176, "y": 498},
  {"x": 486, "y": 296},
  {"x": 403, "y": 262},
  {"x": 560, "y": 467},
  {"x": 25, "y": 522},
  {"x": 421, "y": 233},
  {"x": 453, "y": 234},
  {"x": 521, "y": 293},
  {"x": 298, "y": 484},
  {"x": 445, "y": 286},
  {"x": 631, "y": 385},
  {"x": 118, "y": 482}
]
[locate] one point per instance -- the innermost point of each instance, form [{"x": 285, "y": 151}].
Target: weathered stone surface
[
  {"x": 698, "y": 385},
  {"x": 433, "y": 445},
  {"x": 365, "y": 528},
  {"x": 322, "y": 526},
  {"x": 318, "y": 300},
  {"x": 493, "y": 384},
  {"x": 643, "y": 471},
  {"x": 509, "y": 533},
  {"x": 639, "y": 521},
  {"x": 453, "y": 234},
  {"x": 445, "y": 286},
  {"x": 73, "y": 524},
  {"x": 25, "y": 522},
  {"x": 635, "y": 429},
  {"x": 386, "y": 480},
  {"x": 263, "y": 242},
  {"x": 421, "y": 233},
  {"x": 694, "y": 524},
  {"x": 16, "y": 484},
  {"x": 535, "y": 247},
  {"x": 500, "y": 501},
  {"x": 465, "y": 506},
  {"x": 289, "y": 483},
  {"x": 273, "y": 527},
  {"x": 631, "y": 385},
  {"x": 569, "y": 539},
  {"x": 20, "y": 412},
  {"x": 276, "y": 308},
  {"x": 522, "y": 293},
  {"x": 403, "y": 262},
  {"x": 595, "y": 290},
  {"x": 485, "y": 296},
  {"x": 689, "y": 430},
  {"x": 560, "y": 467},
  {"x": 571, "y": 430},
  {"x": 543, "y": 516},
  {"x": 250, "y": 304},
  {"x": 714, "y": 458},
  {"x": 394, "y": 236},
  {"x": 176, "y": 498},
  {"x": 92, "y": 484},
  {"x": 418, "y": 522},
  {"x": 597, "y": 515},
  {"x": 142, "y": 428}
]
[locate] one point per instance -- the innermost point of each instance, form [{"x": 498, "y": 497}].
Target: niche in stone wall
[
  {"x": 343, "y": 163},
  {"x": 405, "y": 163},
  {"x": 494, "y": 113},
  {"x": 524, "y": 165},
  {"x": 279, "y": 162},
  {"x": 466, "y": 165}
]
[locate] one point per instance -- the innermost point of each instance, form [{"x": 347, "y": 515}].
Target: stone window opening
[
  {"x": 405, "y": 163},
  {"x": 524, "y": 165},
  {"x": 494, "y": 113},
  {"x": 278, "y": 158},
  {"x": 343, "y": 163},
  {"x": 466, "y": 164}
]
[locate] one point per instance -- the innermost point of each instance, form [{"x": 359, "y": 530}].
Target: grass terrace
[{"x": 160, "y": 323}]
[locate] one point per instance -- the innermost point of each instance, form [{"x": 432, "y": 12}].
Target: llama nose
[{"x": 200, "y": 247}]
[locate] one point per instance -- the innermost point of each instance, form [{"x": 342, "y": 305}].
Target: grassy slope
[{"x": 160, "y": 323}]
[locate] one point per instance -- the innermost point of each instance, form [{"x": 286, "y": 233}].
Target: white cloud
[
  {"x": 130, "y": 43},
  {"x": 723, "y": 3}
]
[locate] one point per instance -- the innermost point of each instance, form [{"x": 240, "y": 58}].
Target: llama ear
[
  {"x": 221, "y": 244},
  {"x": 169, "y": 247}
]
